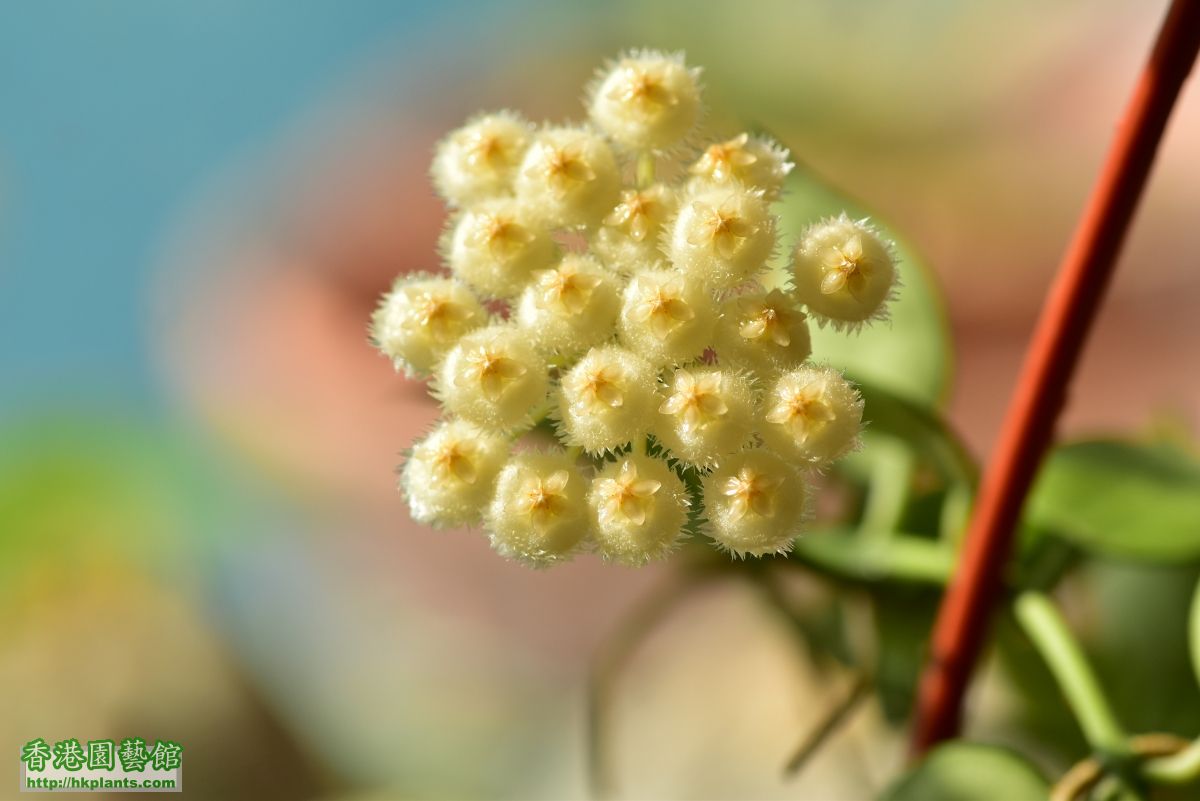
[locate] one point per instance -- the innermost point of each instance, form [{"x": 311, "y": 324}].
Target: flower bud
[
  {"x": 539, "y": 514},
  {"x": 497, "y": 246},
  {"x": 705, "y": 415},
  {"x": 606, "y": 400},
  {"x": 763, "y": 331},
  {"x": 722, "y": 236},
  {"x": 813, "y": 414},
  {"x": 568, "y": 309},
  {"x": 754, "y": 503},
  {"x": 493, "y": 378},
  {"x": 450, "y": 476},
  {"x": 421, "y": 318},
  {"x": 479, "y": 160},
  {"x": 844, "y": 272},
  {"x": 569, "y": 177},
  {"x": 666, "y": 317},
  {"x": 638, "y": 508},
  {"x": 647, "y": 100},
  {"x": 757, "y": 162}
]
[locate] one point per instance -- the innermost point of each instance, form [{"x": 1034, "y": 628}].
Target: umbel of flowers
[{"x": 629, "y": 316}]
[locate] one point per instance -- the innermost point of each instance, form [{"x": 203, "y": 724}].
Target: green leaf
[
  {"x": 962, "y": 771},
  {"x": 1121, "y": 499},
  {"x": 1194, "y": 633},
  {"x": 911, "y": 355}
]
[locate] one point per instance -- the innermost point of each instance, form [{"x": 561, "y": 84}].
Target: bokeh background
[{"x": 200, "y": 537}]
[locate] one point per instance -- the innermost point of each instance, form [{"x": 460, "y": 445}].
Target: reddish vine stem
[{"x": 1041, "y": 390}]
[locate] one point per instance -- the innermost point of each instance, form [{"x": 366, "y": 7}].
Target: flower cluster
[{"x": 636, "y": 320}]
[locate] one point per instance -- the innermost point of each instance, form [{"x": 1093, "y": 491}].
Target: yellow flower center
[
  {"x": 492, "y": 370},
  {"x": 543, "y": 499},
  {"x": 627, "y": 496},
  {"x": 697, "y": 401},
  {"x": 662, "y": 308},
  {"x": 720, "y": 161},
  {"x": 455, "y": 459},
  {"x": 845, "y": 268},
  {"x": 750, "y": 491},
  {"x": 804, "y": 410},
  {"x": 721, "y": 228},
  {"x": 501, "y": 235}
]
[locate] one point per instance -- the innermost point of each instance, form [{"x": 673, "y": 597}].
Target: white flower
[
  {"x": 763, "y": 331},
  {"x": 606, "y": 400},
  {"x": 844, "y": 272},
  {"x": 666, "y": 317},
  {"x": 497, "y": 246},
  {"x": 479, "y": 160},
  {"x": 569, "y": 178},
  {"x": 629, "y": 239},
  {"x": 706, "y": 415},
  {"x": 450, "y": 476},
  {"x": 754, "y": 503},
  {"x": 538, "y": 514},
  {"x": 722, "y": 236},
  {"x": 813, "y": 414},
  {"x": 756, "y": 162},
  {"x": 421, "y": 318},
  {"x": 493, "y": 378},
  {"x": 647, "y": 100},
  {"x": 568, "y": 309},
  {"x": 638, "y": 508}
]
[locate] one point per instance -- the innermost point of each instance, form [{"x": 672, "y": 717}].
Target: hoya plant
[{"x": 654, "y": 342}]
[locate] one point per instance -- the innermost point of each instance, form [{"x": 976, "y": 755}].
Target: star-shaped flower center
[
  {"x": 543, "y": 499},
  {"x": 455, "y": 459},
  {"x": 845, "y": 267},
  {"x": 765, "y": 320},
  {"x": 750, "y": 492},
  {"x": 720, "y": 161},
  {"x": 566, "y": 288},
  {"x": 492, "y": 370},
  {"x": 803, "y": 410},
  {"x": 485, "y": 149},
  {"x": 643, "y": 87},
  {"x": 661, "y": 307},
  {"x": 696, "y": 401},
  {"x": 627, "y": 496},
  {"x": 601, "y": 386},
  {"x": 637, "y": 212},
  {"x": 501, "y": 235},
  {"x": 441, "y": 316},
  {"x": 563, "y": 168},
  {"x": 722, "y": 228}
]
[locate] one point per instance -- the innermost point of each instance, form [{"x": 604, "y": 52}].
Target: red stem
[{"x": 1040, "y": 394}]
